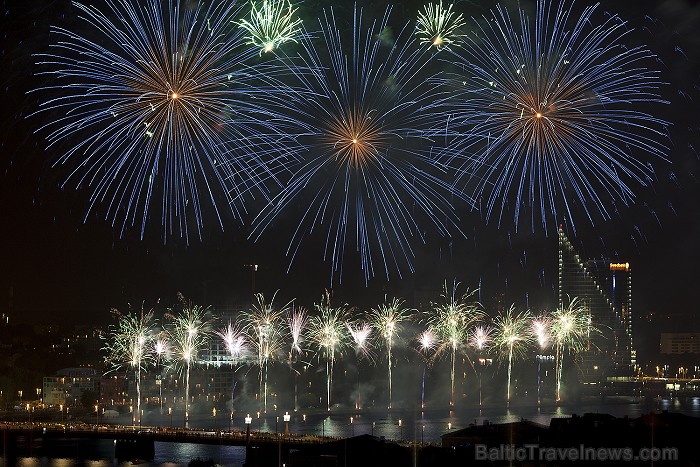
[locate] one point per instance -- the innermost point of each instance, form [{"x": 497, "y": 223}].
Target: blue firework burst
[
  {"x": 555, "y": 114},
  {"x": 366, "y": 179},
  {"x": 157, "y": 104}
]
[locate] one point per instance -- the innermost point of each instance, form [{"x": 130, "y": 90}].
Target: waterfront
[{"x": 414, "y": 427}]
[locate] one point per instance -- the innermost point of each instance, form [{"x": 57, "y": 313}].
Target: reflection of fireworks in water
[
  {"x": 271, "y": 25},
  {"x": 263, "y": 325},
  {"x": 387, "y": 319},
  {"x": 234, "y": 340},
  {"x": 365, "y": 120},
  {"x": 571, "y": 327},
  {"x": 360, "y": 333},
  {"x": 512, "y": 337},
  {"x": 189, "y": 335},
  {"x": 328, "y": 333},
  {"x": 150, "y": 105},
  {"x": 450, "y": 321},
  {"x": 479, "y": 338},
  {"x": 427, "y": 341},
  {"x": 128, "y": 345},
  {"x": 550, "y": 110},
  {"x": 438, "y": 26}
]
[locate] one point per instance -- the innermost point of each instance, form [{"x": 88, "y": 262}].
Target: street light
[
  {"x": 170, "y": 412},
  {"x": 286, "y": 418},
  {"x": 248, "y": 421},
  {"x": 400, "y": 430},
  {"x": 352, "y": 426},
  {"x": 60, "y": 406}
]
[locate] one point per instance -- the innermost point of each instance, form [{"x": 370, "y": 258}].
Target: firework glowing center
[{"x": 355, "y": 142}]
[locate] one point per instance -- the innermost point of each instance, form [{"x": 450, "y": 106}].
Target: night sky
[{"x": 64, "y": 270}]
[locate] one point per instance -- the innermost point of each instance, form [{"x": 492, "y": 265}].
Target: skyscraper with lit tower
[{"x": 605, "y": 287}]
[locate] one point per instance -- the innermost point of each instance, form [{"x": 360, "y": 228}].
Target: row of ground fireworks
[
  {"x": 363, "y": 142},
  {"x": 454, "y": 326}
]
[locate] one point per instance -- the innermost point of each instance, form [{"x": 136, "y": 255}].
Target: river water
[{"x": 399, "y": 424}]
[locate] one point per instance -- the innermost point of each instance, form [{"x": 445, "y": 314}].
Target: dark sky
[{"x": 62, "y": 269}]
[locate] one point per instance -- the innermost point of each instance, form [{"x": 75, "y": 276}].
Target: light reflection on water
[{"x": 414, "y": 426}]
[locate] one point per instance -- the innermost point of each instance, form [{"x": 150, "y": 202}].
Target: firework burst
[
  {"x": 265, "y": 329},
  {"x": 551, "y": 110},
  {"x": 426, "y": 343},
  {"x": 189, "y": 334},
  {"x": 271, "y": 25},
  {"x": 329, "y": 336},
  {"x": 128, "y": 344},
  {"x": 512, "y": 337},
  {"x": 438, "y": 26},
  {"x": 146, "y": 101},
  {"x": 297, "y": 322},
  {"x": 541, "y": 329},
  {"x": 360, "y": 333},
  {"x": 571, "y": 327},
  {"x": 365, "y": 119},
  {"x": 387, "y": 319},
  {"x": 450, "y": 320},
  {"x": 234, "y": 339}
]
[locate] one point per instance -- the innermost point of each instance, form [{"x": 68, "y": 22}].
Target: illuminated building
[
  {"x": 67, "y": 386},
  {"x": 605, "y": 287},
  {"x": 678, "y": 343}
]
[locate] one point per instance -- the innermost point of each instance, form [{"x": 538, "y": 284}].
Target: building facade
[
  {"x": 605, "y": 288},
  {"x": 679, "y": 343},
  {"x": 67, "y": 387}
]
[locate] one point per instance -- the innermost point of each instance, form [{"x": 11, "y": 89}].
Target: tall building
[{"x": 605, "y": 288}]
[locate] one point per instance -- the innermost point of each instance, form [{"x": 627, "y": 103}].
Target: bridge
[{"x": 134, "y": 442}]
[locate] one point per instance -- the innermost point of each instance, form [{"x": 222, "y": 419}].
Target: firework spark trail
[
  {"x": 427, "y": 341},
  {"x": 360, "y": 333},
  {"x": 479, "y": 339},
  {"x": 387, "y": 319},
  {"x": 264, "y": 327},
  {"x": 297, "y": 322},
  {"x": 189, "y": 331},
  {"x": 128, "y": 345},
  {"x": 366, "y": 118},
  {"x": 450, "y": 320},
  {"x": 512, "y": 337},
  {"x": 163, "y": 352},
  {"x": 234, "y": 340},
  {"x": 328, "y": 334},
  {"x": 271, "y": 25},
  {"x": 438, "y": 26},
  {"x": 147, "y": 100},
  {"x": 541, "y": 329},
  {"x": 552, "y": 111},
  {"x": 571, "y": 327}
]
